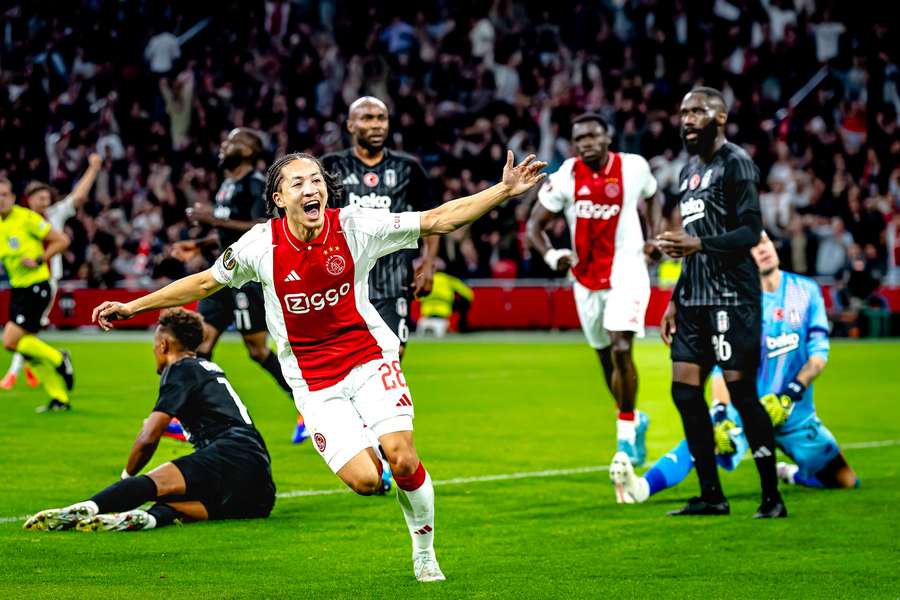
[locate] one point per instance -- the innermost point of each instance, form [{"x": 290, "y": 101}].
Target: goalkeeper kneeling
[{"x": 228, "y": 476}]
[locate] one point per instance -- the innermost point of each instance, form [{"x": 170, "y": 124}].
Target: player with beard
[
  {"x": 600, "y": 193},
  {"x": 714, "y": 316},
  {"x": 239, "y": 205},
  {"x": 376, "y": 177}
]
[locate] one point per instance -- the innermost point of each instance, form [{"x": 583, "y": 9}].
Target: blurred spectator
[{"x": 154, "y": 94}]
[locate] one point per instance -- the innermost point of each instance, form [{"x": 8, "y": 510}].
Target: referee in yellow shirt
[{"x": 23, "y": 235}]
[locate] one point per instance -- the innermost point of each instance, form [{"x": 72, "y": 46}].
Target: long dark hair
[{"x": 273, "y": 180}]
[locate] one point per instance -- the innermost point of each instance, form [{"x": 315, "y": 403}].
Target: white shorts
[
  {"x": 373, "y": 395},
  {"x": 620, "y": 308}
]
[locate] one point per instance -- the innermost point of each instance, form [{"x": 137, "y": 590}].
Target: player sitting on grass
[
  {"x": 795, "y": 350},
  {"x": 227, "y": 477}
]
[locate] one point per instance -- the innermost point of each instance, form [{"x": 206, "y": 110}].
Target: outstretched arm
[
  {"x": 452, "y": 215},
  {"x": 178, "y": 293},
  {"x": 83, "y": 187},
  {"x": 146, "y": 443}
]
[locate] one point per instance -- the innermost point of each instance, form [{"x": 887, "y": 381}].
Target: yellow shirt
[
  {"x": 439, "y": 303},
  {"x": 22, "y": 235}
]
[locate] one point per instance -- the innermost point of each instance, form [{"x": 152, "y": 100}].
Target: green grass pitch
[{"x": 530, "y": 405}]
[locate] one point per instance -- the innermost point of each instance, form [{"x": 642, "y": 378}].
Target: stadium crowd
[{"x": 155, "y": 86}]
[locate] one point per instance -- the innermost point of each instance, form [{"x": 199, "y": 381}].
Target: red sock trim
[
  {"x": 626, "y": 416},
  {"x": 411, "y": 483}
]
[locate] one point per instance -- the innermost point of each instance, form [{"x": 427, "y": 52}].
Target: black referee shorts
[
  {"x": 395, "y": 312},
  {"x": 232, "y": 477},
  {"x": 28, "y": 305},
  {"x": 725, "y": 335},
  {"x": 244, "y": 307}
]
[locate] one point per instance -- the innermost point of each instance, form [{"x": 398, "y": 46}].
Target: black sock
[
  {"x": 164, "y": 514},
  {"x": 125, "y": 494},
  {"x": 271, "y": 364},
  {"x": 759, "y": 431},
  {"x": 698, "y": 431}
]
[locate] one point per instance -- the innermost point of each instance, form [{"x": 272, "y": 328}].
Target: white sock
[
  {"x": 89, "y": 505},
  {"x": 418, "y": 510},
  {"x": 151, "y": 522},
  {"x": 18, "y": 361},
  {"x": 625, "y": 430}
]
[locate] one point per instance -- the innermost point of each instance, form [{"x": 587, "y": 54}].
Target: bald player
[{"x": 375, "y": 177}]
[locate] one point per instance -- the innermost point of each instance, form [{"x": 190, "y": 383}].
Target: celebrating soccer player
[
  {"x": 794, "y": 352},
  {"x": 42, "y": 199},
  {"x": 27, "y": 244},
  {"x": 240, "y": 204},
  {"x": 600, "y": 192},
  {"x": 339, "y": 356},
  {"x": 227, "y": 477},
  {"x": 375, "y": 177},
  {"x": 714, "y": 316}
]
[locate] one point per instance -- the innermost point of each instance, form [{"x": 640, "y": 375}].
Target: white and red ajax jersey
[
  {"x": 317, "y": 292},
  {"x": 601, "y": 208}
]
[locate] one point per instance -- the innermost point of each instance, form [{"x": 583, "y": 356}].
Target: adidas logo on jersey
[
  {"x": 370, "y": 201},
  {"x": 584, "y": 191},
  {"x": 782, "y": 344},
  {"x": 292, "y": 276},
  {"x": 300, "y": 304},
  {"x": 351, "y": 179},
  {"x": 692, "y": 209},
  {"x": 585, "y": 209}
]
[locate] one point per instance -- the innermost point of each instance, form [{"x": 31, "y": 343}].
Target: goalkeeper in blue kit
[{"x": 794, "y": 352}]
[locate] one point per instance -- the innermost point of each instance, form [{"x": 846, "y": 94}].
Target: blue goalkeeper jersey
[{"x": 795, "y": 328}]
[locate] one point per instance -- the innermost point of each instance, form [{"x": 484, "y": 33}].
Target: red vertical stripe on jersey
[
  {"x": 327, "y": 333},
  {"x": 598, "y": 203}
]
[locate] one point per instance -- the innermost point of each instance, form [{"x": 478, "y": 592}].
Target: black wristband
[{"x": 794, "y": 390}]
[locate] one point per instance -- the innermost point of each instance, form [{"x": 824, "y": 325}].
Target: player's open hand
[
  {"x": 678, "y": 244},
  {"x": 108, "y": 312},
  {"x": 667, "y": 327},
  {"x": 523, "y": 176}
]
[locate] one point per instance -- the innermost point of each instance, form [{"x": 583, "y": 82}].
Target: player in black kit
[
  {"x": 239, "y": 205},
  {"x": 375, "y": 177},
  {"x": 714, "y": 316},
  {"x": 229, "y": 474}
]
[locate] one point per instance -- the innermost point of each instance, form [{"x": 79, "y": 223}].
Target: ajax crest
[{"x": 335, "y": 264}]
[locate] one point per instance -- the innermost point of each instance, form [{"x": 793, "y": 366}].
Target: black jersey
[
  {"x": 713, "y": 197},
  {"x": 196, "y": 392},
  {"x": 397, "y": 184},
  {"x": 241, "y": 200}
]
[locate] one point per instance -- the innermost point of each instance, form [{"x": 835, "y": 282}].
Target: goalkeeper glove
[
  {"x": 722, "y": 433},
  {"x": 724, "y": 430},
  {"x": 779, "y": 407}
]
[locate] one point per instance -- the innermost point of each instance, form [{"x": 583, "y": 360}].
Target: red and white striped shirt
[{"x": 316, "y": 293}]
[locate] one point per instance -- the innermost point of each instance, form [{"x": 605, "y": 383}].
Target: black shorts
[
  {"x": 725, "y": 335},
  {"x": 232, "y": 477},
  {"x": 245, "y": 308},
  {"x": 395, "y": 312},
  {"x": 29, "y": 305}
]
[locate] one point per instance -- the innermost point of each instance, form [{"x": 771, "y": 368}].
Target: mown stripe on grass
[{"x": 504, "y": 476}]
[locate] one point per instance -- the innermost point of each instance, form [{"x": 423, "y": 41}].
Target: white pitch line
[{"x": 501, "y": 477}]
